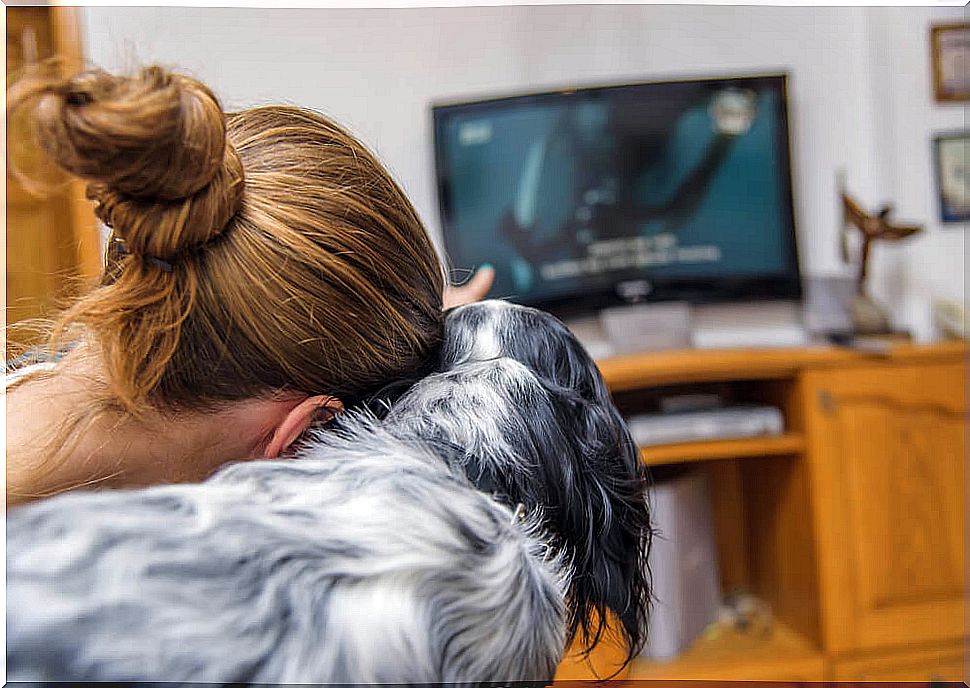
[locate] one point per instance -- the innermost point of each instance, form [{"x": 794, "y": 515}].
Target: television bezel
[{"x": 786, "y": 286}]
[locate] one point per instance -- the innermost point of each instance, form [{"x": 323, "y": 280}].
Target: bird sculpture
[{"x": 868, "y": 317}]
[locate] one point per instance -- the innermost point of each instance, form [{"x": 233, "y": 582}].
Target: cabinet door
[{"x": 885, "y": 445}]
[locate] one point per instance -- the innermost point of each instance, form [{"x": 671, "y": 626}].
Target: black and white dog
[
  {"x": 534, "y": 423},
  {"x": 494, "y": 510}
]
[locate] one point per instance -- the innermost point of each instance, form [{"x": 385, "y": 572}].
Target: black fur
[{"x": 572, "y": 456}]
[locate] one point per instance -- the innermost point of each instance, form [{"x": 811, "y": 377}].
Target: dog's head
[{"x": 526, "y": 415}]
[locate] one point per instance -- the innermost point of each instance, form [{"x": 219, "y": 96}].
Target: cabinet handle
[{"x": 826, "y": 401}]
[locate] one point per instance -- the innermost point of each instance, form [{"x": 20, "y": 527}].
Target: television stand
[{"x": 849, "y": 525}]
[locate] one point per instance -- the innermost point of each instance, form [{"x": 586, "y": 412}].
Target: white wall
[
  {"x": 906, "y": 118},
  {"x": 377, "y": 70}
]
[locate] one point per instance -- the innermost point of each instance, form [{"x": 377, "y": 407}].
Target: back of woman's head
[{"x": 251, "y": 252}]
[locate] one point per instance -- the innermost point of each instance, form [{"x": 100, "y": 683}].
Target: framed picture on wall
[
  {"x": 952, "y": 158},
  {"x": 950, "y": 44}
]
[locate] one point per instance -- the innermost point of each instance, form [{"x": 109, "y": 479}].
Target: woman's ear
[{"x": 298, "y": 420}]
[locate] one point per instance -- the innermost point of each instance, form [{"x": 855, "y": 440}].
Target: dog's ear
[
  {"x": 575, "y": 459},
  {"x": 605, "y": 515}
]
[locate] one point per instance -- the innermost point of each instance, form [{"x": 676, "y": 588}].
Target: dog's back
[{"x": 365, "y": 560}]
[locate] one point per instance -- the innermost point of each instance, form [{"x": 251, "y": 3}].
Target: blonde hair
[{"x": 251, "y": 252}]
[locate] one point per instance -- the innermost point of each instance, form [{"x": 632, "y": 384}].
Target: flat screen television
[{"x": 592, "y": 197}]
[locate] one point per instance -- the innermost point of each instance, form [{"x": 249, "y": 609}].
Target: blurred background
[
  {"x": 860, "y": 90},
  {"x": 813, "y": 597}
]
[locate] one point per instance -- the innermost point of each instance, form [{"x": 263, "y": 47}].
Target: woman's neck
[{"x": 61, "y": 435}]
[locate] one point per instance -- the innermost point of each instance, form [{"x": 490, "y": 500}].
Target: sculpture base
[{"x": 868, "y": 317}]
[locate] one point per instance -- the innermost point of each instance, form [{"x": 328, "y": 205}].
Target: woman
[{"x": 264, "y": 271}]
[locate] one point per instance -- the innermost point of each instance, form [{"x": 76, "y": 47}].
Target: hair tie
[
  {"x": 120, "y": 248},
  {"x": 158, "y": 262}
]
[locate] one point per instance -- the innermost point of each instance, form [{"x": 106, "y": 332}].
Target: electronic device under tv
[{"x": 594, "y": 197}]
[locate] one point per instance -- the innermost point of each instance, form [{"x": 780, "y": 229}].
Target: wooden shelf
[
  {"x": 775, "y": 445},
  {"x": 734, "y": 656},
  {"x": 637, "y": 371}
]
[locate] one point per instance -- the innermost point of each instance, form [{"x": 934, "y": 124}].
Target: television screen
[{"x": 597, "y": 196}]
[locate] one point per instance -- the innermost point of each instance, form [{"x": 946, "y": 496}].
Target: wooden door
[
  {"x": 52, "y": 242},
  {"x": 885, "y": 445}
]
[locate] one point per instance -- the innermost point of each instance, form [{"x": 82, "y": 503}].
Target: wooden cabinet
[
  {"x": 886, "y": 449},
  {"x": 944, "y": 663},
  {"x": 850, "y": 525},
  {"x": 604, "y": 662},
  {"x": 738, "y": 656}
]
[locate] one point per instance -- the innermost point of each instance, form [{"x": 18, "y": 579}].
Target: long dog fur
[
  {"x": 465, "y": 537},
  {"x": 518, "y": 394}
]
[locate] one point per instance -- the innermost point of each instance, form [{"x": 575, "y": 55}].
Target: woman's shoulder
[{"x": 22, "y": 367}]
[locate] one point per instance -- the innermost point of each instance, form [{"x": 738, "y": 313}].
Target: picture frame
[
  {"x": 951, "y": 153},
  {"x": 950, "y": 45}
]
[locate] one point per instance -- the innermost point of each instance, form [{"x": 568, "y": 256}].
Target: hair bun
[{"x": 153, "y": 147}]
